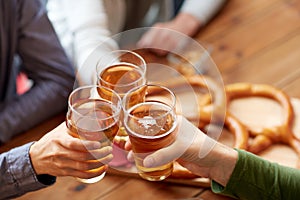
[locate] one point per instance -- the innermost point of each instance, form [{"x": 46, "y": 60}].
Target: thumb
[{"x": 185, "y": 137}]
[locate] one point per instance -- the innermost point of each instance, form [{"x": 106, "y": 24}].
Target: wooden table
[{"x": 256, "y": 41}]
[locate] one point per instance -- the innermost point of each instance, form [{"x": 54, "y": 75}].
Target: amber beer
[
  {"x": 92, "y": 118},
  {"x": 96, "y": 130},
  {"x": 121, "y": 78},
  {"x": 151, "y": 126},
  {"x": 121, "y": 70}
]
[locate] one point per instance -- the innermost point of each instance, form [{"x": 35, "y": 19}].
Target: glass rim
[
  {"x": 118, "y": 106},
  {"x": 149, "y": 136},
  {"x": 151, "y": 84},
  {"x": 171, "y": 108},
  {"x": 127, "y": 84}
]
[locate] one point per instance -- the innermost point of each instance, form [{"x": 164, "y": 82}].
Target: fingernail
[
  {"x": 109, "y": 149},
  {"x": 97, "y": 145},
  {"x": 149, "y": 161}
]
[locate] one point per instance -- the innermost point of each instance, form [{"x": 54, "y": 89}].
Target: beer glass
[
  {"x": 151, "y": 125},
  {"x": 121, "y": 70},
  {"x": 91, "y": 116}
]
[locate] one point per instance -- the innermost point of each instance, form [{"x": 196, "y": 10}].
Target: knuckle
[
  {"x": 106, "y": 151},
  {"x": 83, "y": 166},
  {"x": 59, "y": 165},
  {"x": 71, "y": 144}
]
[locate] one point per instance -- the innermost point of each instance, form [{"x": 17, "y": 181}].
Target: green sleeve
[{"x": 256, "y": 178}]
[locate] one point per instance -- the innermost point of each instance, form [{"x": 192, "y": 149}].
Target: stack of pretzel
[{"x": 246, "y": 137}]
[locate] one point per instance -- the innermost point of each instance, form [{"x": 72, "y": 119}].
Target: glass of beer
[
  {"x": 121, "y": 70},
  {"x": 93, "y": 117},
  {"x": 151, "y": 125}
]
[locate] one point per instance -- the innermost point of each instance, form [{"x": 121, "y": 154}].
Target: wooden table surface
[{"x": 255, "y": 41}]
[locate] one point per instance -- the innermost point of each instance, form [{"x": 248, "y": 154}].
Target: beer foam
[{"x": 147, "y": 121}]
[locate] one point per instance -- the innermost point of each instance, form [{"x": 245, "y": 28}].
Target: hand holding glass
[
  {"x": 151, "y": 125},
  {"x": 93, "y": 117}
]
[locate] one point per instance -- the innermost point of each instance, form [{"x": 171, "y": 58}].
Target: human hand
[
  {"x": 163, "y": 37},
  {"x": 59, "y": 154},
  {"x": 187, "y": 133},
  {"x": 198, "y": 153}
]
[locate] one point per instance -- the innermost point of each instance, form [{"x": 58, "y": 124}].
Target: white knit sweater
[{"x": 83, "y": 25}]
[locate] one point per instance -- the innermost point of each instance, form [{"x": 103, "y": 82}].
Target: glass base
[
  {"x": 154, "y": 178},
  {"x": 92, "y": 180}
]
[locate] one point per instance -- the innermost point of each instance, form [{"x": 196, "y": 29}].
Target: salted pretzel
[{"x": 265, "y": 137}]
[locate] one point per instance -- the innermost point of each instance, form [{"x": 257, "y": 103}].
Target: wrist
[
  {"x": 226, "y": 158},
  {"x": 187, "y": 23},
  {"x": 32, "y": 156}
]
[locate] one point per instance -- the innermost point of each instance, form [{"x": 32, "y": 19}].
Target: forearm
[
  {"x": 45, "y": 62},
  {"x": 43, "y": 101},
  {"x": 16, "y": 173},
  {"x": 186, "y": 23},
  {"x": 255, "y": 178},
  {"x": 203, "y": 10},
  {"x": 224, "y": 160}
]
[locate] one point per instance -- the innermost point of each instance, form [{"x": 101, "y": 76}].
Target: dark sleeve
[
  {"x": 46, "y": 63},
  {"x": 17, "y": 175},
  {"x": 256, "y": 178}
]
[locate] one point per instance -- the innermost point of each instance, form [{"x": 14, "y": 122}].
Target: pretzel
[{"x": 267, "y": 136}]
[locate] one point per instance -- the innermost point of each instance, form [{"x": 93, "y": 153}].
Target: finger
[
  {"x": 161, "y": 157},
  {"x": 128, "y": 145},
  {"x": 86, "y": 174},
  {"x": 62, "y": 136},
  {"x": 147, "y": 39},
  {"x": 76, "y": 144},
  {"x": 88, "y": 155},
  {"x": 101, "y": 153},
  {"x": 130, "y": 156},
  {"x": 152, "y": 37},
  {"x": 93, "y": 173},
  {"x": 63, "y": 164},
  {"x": 120, "y": 141}
]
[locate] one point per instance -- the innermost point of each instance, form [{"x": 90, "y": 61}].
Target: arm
[
  {"x": 197, "y": 152},
  {"x": 17, "y": 175},
  {"x": 235, "y": 173},
  {"x": 35, "y": 165},
  {"x": 256, "y": 178},
  {"x": 202, "y": 10},
  {"x": 45, "y": 62},
  {"x": 88, "y": 23},
  {"x": 193, "y": 15}
]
